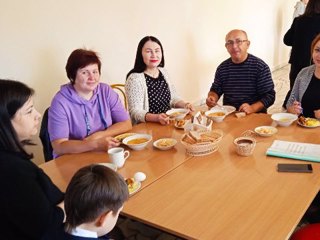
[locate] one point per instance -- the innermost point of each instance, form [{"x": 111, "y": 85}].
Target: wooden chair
[{"x": 120, "y": 88}]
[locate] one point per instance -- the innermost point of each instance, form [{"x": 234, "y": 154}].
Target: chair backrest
[
  {"x": 44, "y": 136},
  {"x": 120, "y": 88}
]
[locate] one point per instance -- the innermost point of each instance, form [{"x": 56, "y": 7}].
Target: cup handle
[{"x": 126, "y": 154}]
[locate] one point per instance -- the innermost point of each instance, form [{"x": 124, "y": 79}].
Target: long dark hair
[
  {"x": 312, "y": 8},
  {"x": 13, "y": 95},
  {"x": 139, "y": 65}
]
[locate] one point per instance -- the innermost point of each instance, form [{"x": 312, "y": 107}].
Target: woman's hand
[
  {"x": 189, "y": 106},
  {"x": 163, "y": 119},
  {"x": 317, "y": 113},
  {"x": 295, "y": 108},
  {"x": 107, "y": 142}
]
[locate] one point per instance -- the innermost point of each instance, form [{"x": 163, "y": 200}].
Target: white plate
[
  {"x": 266, "y": 131},
  {"x": 137, "y": 186},
  {"x": 306, "y": 126},
  {"x": 166, "y": 143},
  {"x": 109, "y": 165}
]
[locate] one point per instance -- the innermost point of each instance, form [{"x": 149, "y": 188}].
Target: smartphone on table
[{"x": 294, "y": 167}]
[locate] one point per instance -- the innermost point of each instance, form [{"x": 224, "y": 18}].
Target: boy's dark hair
[
  {"x": 92, "y": 191},
  {"x": 139, "y": 65},
  {"x": 81, "y": 58},
  {"x": 13, "y": 95}
]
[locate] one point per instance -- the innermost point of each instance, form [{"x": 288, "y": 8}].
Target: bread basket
[{"x": 208, "y": 145}]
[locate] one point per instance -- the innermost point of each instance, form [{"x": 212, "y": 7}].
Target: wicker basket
[{"x": 201, "y": 149}]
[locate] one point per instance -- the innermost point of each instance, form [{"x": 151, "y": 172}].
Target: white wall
[{"x": 38, "y": 36}]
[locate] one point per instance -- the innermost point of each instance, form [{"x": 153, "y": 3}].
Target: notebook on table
[{"x": 295, "y": 150}]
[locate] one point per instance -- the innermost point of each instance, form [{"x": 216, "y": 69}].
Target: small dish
[
  {"x": 284, "y": 119},
  {"x": 133, "y": 186},
  {"x": 165, "y": 143},
  {"x": 177, "y": 113},
  {"x": 123, "y": 136},
  {"x": 137, "y": 141},
  {"x": 265, "y": 131},
  {"x": 109, "y": 165}
]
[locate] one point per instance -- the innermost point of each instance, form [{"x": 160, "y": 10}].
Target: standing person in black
[
  {"x": 31, "y": 206},
  {"x": 300, "y": 35}
]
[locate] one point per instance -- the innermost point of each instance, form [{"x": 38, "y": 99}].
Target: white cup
[{"x": 118, "y": 156}]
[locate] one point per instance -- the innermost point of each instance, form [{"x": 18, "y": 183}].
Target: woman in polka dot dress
[{"x": 150, "y": 93}]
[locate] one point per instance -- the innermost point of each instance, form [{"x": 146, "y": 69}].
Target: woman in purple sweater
[{"x": 85, "y": 114}]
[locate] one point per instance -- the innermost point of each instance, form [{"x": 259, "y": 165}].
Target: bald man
[{"x": 243, "y": 79}]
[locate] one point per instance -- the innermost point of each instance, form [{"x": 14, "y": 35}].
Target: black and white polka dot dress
[{"x": 158, "y": 93}]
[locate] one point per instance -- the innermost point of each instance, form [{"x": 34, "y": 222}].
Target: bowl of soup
[
  {"x": 216, "y": 115},
  {"x": 284, "y": 119},
  {"x": 137, "y": 141},
  {"x": 177, "y": 113}
]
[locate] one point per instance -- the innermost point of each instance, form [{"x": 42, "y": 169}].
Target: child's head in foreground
[{"x": 94, "y": 199}]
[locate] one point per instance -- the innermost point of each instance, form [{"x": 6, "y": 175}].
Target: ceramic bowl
[
  {"x": 216, "y": 115},
  {"x": 245, "y": 145},
  {"x": 284, "y": 119},
  {"x": 177, "y": 113},
  {"x": 130, "y": 141}
]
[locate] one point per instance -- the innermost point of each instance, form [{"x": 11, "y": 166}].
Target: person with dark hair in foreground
[
  {"x": 93, "y": 201},
  {"x": 31, "y": 206}
]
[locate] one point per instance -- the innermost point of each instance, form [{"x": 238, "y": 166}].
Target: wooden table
[
  {"x": 153, "y": 162},
  {"x": 226, "y": 196}
]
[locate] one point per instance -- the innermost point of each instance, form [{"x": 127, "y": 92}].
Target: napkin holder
[{"x": 199, "y": 122}]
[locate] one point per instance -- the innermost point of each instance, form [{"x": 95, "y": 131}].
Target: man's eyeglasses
[{"x": 238, "y": 42}]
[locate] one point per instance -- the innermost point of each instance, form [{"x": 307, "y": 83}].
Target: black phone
[{"x": 291, "y": 167}]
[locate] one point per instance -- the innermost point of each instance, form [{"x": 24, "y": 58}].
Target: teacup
[
  {"x": 245, "y": 145},
  {"x": 118, "y": 156}
]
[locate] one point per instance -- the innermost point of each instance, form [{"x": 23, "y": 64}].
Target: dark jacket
[
  {"x": 300, "y": 35},
  {"x": 28, "y": 200}
]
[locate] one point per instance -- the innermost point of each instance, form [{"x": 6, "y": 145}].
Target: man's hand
[{"x": 247, "y": 108}]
